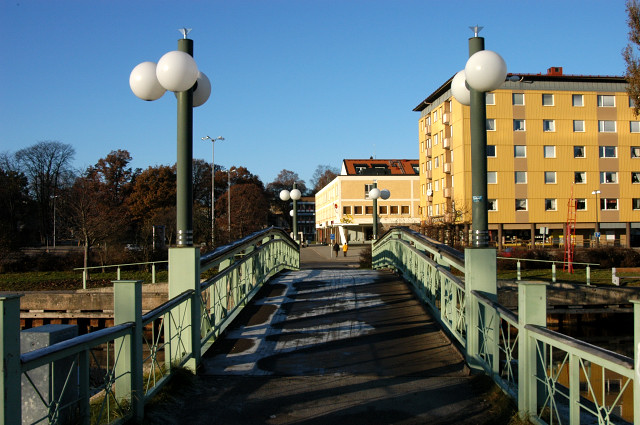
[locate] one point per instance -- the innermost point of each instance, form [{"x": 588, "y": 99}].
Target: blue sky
[{"x": 296, "y": 83}]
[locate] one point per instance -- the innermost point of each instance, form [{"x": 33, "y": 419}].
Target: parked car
[{"x": 132, "y": 247}]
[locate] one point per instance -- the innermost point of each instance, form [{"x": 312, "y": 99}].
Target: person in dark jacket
[{"x": 336, "y": 248}]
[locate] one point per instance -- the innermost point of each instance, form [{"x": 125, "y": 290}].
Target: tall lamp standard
[
  {"x": 485, "y": 71},
  {"x": 375, "y": 194},
  {"x": 597, "y": 229},
  {"x": 177, "y": 71},
  {"x": 213, "y": 182},
  {"x": 294, "y": 195}
]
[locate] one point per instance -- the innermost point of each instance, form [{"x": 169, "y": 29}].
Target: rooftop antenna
[
  {"x": 374, "y": 151},
  {"x": 184, "y": 32},
  {"x": 476, "y": 30}
]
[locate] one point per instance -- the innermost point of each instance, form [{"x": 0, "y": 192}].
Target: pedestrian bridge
[{"x": 282, "y": 335}]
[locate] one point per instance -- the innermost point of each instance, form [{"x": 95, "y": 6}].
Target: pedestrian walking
[
  {"x": 345, "y": 248},
  {"x": 336, "y": 248}
]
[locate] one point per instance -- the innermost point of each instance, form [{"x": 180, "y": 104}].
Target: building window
[
  {"x": 548, "y": 125},
  {"x": 581, "y": 204},
  {"x": 435, "y": 116},
  {"x": 490, "y": 99},
  {"x": 367, "y": 189},
  {"x": 521, "y": 204},
  {"x": 606, "y": 126},
  {"x": 394, "y": 209},
  {"x": 608, "y": 152},
  {"x": 436, "y": 162},
  {"x": 492, "y": 204},
  {"x": 578, "y": 126},
  {"x": 608, "y": 177},
  {"x": 518, "y": 98},
  {"x": 634, "y": 126},
  {"x": 577, "y": 100},
  {"x": 547, "y": 99},
  {"x": 635, "y": 203},
  {"x": 404, "y": 209},
  {"x": 346, "y": 210},
  {"x": 608, "y": 204},
  {"x": 550, "y": 205},
  {"x": 357, "y": 210},
  {"x": 368, "y": 210},
  {"x": 578, "y": 152},
  {"x": 549, "y": 177},
  {"x": 550, "y": 151},
  {"x": 436, "y": 185},
  {"x": 606, "y": 100},
  {"x": 521, "y": 177},
  {"x": 492, "y": 177},
  {"x": 491, "y": 124},
  {"x": 518, "y": 125},
  {"x": 580, "y": 177},
  {"x": 382, "y": 209},
  {"x": 491, "y": 151},
  {"x": 635, "y": 177},
  {"x": 635, "y": 151},
  {"x": 520, "y": 151},
  {"x": 437, "y": 209}
]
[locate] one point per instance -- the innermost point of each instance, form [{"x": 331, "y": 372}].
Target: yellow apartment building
[
  {"x": 344, "y": 209},
  {"x": 561, "y": 149}
]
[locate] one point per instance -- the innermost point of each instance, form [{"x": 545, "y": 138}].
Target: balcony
[
  {"x": 446, "y": 143},
  {"x": 447, "y": 192},
  {"x": 446, "y": 118},
  {"x": 447, "y": 167},
  {"x": 427, "y": 129},
  {"x": 427, "y": 152},
  {"x": 428, "y": 174}
]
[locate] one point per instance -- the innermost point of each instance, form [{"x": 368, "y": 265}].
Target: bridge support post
[
  {"x": 532, "y": 310},
  {"x": 184, "y": 275},
  {"x": 480, "y": 276},
  {"x": 10, "y": 373},
  {"x": 127, "y": 307}
]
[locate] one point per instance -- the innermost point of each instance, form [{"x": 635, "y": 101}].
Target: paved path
[{"x": 339, "y": 345}]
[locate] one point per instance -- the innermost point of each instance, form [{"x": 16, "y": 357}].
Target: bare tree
[
  {"x": 323, "y": 175},
  {"x": 44, "y": 164},
  {"x": 630, "y": 54}
]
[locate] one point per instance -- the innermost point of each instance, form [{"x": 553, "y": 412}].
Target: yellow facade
[
  {"x": 534, "y": 127},
  {"x": 344, "y": 202}
]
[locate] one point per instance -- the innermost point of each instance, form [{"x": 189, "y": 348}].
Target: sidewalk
[{"x": 323, "y": 257}]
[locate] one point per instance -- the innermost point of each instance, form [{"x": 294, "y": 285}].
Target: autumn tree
[
  {"x": 45, "y": 164},
  {"x": 154, "y": 195},
  {"x": 630, "y": 54},
  {"x": 14, "y": 214},
  {"x": 323, "y": 175},
  {"x": 285, "y": 180},
  {"x": 249, "y": 208},
  {"x": 115, "y": 176}
]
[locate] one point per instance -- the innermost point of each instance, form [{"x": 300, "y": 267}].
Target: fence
[
  {"x": 554, "y": 378},
  {"x": 120, "y": 368},
  {"x": 119, "y": 267},
  {"x": 587, "y": 269}
]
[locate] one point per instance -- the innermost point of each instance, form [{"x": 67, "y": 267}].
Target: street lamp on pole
[
  {"x": 178, "y": 72},
  {"x": 213, "y": 182},
  {"x": 485, "y": 71},
  {"x": 375, "y": 194},
  {"x": 597, "y": 228},
  {"x": 294, "y": 195}
]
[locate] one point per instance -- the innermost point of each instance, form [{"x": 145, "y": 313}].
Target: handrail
[
  {"x": 121, "y": 265},
  {"x": 546, "y": 261}
]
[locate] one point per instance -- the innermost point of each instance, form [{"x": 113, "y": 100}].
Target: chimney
[{"x": 555, "y": 71}]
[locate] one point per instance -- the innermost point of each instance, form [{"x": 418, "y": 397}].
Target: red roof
[{"x": 353, "y": 167}]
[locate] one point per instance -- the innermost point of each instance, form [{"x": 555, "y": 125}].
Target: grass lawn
[{"x": 579, "y": 276}]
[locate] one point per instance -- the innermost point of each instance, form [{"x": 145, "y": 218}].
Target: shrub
[{"x": 365, "y": 257}]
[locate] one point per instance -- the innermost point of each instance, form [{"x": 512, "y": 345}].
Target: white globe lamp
[
  {"x": 285, "y": 195},
  {"x": 385, "y": 194},
  {"x": 374, "y": 193},
  {"x": 295, "y": 194},
  {"x": 485, "y": 71},
  {"x": 459, "y": 88},
  {"x": 144, "y": 83},
  {"x": 177, "y": 71},
  {"x": 202, "y": 91}
]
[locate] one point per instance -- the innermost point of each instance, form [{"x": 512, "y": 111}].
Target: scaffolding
[{"x": 570, "y": 235}]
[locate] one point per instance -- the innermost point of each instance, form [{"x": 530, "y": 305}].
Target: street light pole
[
  {"x": 294, "y": 195},
  {"x": 597, "y": 228},
  {"x": 213, "y": 193},
  {"x": 374, "y": 194}
]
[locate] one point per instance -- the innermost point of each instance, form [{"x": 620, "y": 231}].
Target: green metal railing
[
  {"x": 111, "y": 373},
  {"x": 555, "y": 379},
  {"x": 119, "y": 267}
]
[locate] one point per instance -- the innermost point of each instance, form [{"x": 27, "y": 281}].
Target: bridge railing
[
  {"x": 107, "y": 376},
  {"x": 553, "y": 377},
  {"x": 119, "y": 267}
]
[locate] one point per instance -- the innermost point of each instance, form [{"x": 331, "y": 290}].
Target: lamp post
[
  {"x": 177, "y": 71},
  {"x": 597, "y": 229},
  {"x": 375, "y": 194},
  {"x": 294, "y": 195},
  {"x": 213, "y": 182},
  {"x": 485, "y": 71}
]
